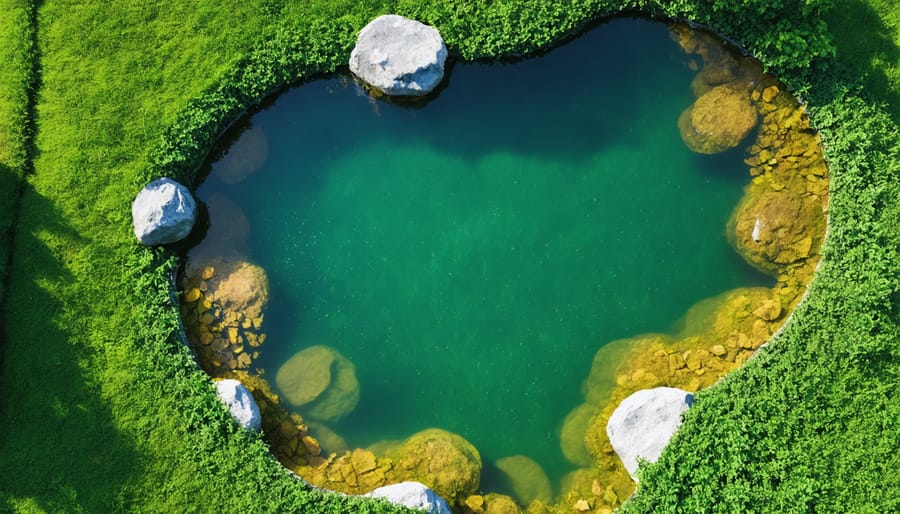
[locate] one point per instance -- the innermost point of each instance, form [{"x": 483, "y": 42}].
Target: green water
[{"x": 471, "y": 254}]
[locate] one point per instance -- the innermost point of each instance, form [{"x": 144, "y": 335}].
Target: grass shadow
[
  {"x": 10, "y": 186},
  {"x": 864, "y": 59},
  {"x": 60, "y": 450}
]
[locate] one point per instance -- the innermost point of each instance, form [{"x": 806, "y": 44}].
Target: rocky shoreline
[{"x": 778, "y": 227}]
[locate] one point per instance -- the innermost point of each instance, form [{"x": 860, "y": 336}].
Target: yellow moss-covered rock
[
  {"x": 443, "y": 461},
  {"x": 241, "y": 287},
  {"x": 602, "y": 488},
  {"x": 718, "y": 120},
  {"x": 192, "y": 295},
  {"x": 216, "y": 320},
  {"x": 320, "y": 381},
  {"x": 526, "y": 478},
  {"x": 306, "y": 375},
  {"x": 285, "y": 433},
  {"x": 773, "y": 229},
  {"x": 572, "y": 434},
  {"x": 607, "y": 365},
  {"x": 355, "y": 472},
  {"x": 500, "y": 504}
]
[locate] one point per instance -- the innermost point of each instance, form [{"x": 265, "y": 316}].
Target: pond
[{"x": 457, "y": 263}]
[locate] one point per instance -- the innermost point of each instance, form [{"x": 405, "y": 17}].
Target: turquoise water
[{"x": 470, "y": 254}]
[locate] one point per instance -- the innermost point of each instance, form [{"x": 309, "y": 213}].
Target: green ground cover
[
  {"x": 103, "y": 411},
  {"x": 16, "y": 82}
]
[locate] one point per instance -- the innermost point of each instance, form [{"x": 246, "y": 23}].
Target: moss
[
  {"x": 719, "y": 120},
  {"x": 443, "y": 461}
]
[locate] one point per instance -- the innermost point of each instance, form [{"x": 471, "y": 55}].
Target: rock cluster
[
  {"x": 780, "y": 223},
  {"x": 399, "y": 56},
  {"x": 222, "y": 307},
  {"x": 591, "y": 490},
  {"x": 163, "y": 213},
  {"x": 718, "y": 65},
  {"x": 492, "y": 503},
  {"x": 287, "y": 435},
  {"x": 778, "y": 227},
  {"x": 442, "y": 461},
  {"x": 723, "y": 114},
  {"x": 715, "y": 337},
  {"x": 641, "y": 426}
]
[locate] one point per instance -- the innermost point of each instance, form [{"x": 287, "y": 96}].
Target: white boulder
[
  {"x": 399, "y": 56},
  {"x": 413, "y": 495},
  {"x": 163, "y": 212},
  {"x": 240, "y": 402},
  {"x": 643, "y": 423}
]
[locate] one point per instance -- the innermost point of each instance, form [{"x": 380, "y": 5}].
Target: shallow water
[{"x": 471, "y": 254}]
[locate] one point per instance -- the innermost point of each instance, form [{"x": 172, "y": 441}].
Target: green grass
[
  {"x": 16, "y": 81},
  {"x": 103, "y": 411},
  {"x": 867, "y": 33}
]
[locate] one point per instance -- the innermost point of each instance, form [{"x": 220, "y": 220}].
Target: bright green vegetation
[
  {"x": 102, "y": 410},
  {"x": 489, "y": 242},
  {"x": 874, "y": 58}
]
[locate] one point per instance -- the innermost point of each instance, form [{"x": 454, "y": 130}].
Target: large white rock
[
  {"x": 413, "y": 495},
  {"x": 399, "y": 56},
  {"x": 240, "y": 402},
  {"x": 643, "y": 423},
  {"x": 163, "y": 212}
]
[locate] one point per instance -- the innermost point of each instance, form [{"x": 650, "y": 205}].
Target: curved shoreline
[{"x": 617, "y": 477}]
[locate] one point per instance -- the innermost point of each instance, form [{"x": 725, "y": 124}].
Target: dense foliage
[{"x": 104, "y": 410}]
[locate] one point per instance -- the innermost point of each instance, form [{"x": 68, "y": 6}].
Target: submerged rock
[
  {"x": 413, "y": 495},
  {"x": 500, "y": 504},
  {"x": 443, "y": 461},
  {"x": 718, "y": 120},
  {"x": 721, "y": 64},
  {"x": 329, "y": 440},
  {"x": 245, "y": 289},
  {"x": 641, "y": 426},
  {"x": 240, "y": 402},
  {"x": 604, "y": 377},
  {"x": 245, "y": 157},
  {"x": 399, "y": 56},
  {"x": 772, "y": 229},
  {"x": 163, "y": 212},
  {"x": 320, "y": 380},
  {"x": 572, "y": 435},
  {"x": 222, "y": 312},
  {"x": 526, "y": 478}
]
